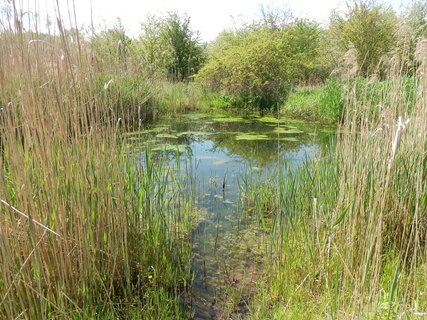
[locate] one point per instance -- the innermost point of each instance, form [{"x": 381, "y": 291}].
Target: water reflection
[{"x": 228, "y": 246}]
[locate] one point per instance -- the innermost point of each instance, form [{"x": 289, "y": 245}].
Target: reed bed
[
  {"x": 87, "y": 230},
  {"x": 349, "y": 229}
]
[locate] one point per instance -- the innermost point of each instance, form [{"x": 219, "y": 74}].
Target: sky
[{"x": 210, "y": 17}]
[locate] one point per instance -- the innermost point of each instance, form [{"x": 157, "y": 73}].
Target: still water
[{"x": 224, "y": 152}]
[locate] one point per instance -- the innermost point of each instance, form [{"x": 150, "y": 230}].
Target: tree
[
  {"x": 258, "y": 65},
  {"x": 412, "y": 29},
  {"x": 111, "y": 49},
  {"x": 152, "y": 50},
  {"x": 187, "y": 53},
  {"x": 302, "y": 43},
  {"x": 171, "y": 46},
  {"x": 251, "y": 72},
  {"x": 366, "y": 28}
]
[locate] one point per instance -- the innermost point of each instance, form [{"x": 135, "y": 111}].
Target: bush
[
  {"x": 368, "y": 30},
  {"x": 169, "y": 46},
  {"x": 251, "y": 72},
  {"x": 257, "y": 66}
]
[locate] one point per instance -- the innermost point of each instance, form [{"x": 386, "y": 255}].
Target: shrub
[
  {"x": 251, "y": 72},
  {"x": 367, "y": 29},
  {"x": 258, "y": 65}
]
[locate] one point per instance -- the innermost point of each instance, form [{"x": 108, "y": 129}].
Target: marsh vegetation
[{"x": 279, "y": 172}]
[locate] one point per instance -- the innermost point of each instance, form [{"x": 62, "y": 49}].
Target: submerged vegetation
[{"x": 100, "y": 208}]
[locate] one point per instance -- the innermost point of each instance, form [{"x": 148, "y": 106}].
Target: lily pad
[
  {"x": 287, "y": 131},
  {"x": 169, "y": 147},
  {"x": 231, "y": 119},
  {"x": 167, "y": 136},
  {"x": 271, "y": 120},
  {"x": 289, "y": 139},
  {"x": 192, "y": 133},
  {"x": 251, "y": 136}
]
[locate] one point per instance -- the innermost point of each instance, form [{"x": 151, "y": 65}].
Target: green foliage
[
  {"x": 152, "y": 50},
  {"x": 169, "y": 46},
  {"x": 111, "y": 49},
  {"x": 367, "y": 28},
  {"x": 331, "y": 102},
  {"x": 126, "y": 96},
  {"x": 412, "y": 28},
  {"x": 323, "y": 103},
  {"x": 257, "y": 65},
  {"x": 187, "y": 53},
  {"x": 374, "y": 95},
  {"x": 303, "y": 103},
  {"x": 302, "y": 42},
  {"x": 251, "y": 72}
]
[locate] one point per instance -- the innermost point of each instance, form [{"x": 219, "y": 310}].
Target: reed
[
  {"x": 87, "y": 229},
  {"x": 348, "y": 229}
]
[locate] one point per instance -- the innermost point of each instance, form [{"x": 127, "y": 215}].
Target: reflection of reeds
[
  {"x": 85, "y": 232},
  {"x": 350, "y": 228}
]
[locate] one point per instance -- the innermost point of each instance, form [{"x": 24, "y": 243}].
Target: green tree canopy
[
  {"x": 169, "y": 46},
  {"x": 258, "y": 64},
  {"x": 412, "y": 28},
  {"x": 111, "y": 49},
  {"x": 369, "y": 29}
]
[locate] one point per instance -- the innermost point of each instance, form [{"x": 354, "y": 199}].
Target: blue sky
[{"x": 209, "y": 17}]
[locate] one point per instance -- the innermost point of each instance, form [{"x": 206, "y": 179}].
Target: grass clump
[{"x": 323, "y": 103}]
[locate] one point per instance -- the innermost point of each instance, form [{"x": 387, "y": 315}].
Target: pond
[{"x": 224, "y": 150}]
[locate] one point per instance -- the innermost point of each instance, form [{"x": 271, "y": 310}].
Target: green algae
[
  {"x": 271, "y": 120},
  {"x": 252, "y": 137},
  {"x": 287, "y": 131},
  {"x": 193, "y": 133},
  {"x": 167, "y": 136},
  {"x": 170, "y": 147},
  {"x": 231, "y": 119}
]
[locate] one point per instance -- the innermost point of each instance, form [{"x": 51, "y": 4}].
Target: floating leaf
[
  {"x": 169, "y": 147},
  {"x": 231, "y": 119},
  {"x": 192, "y": 133},
  {"x": 287, "y": 131},
  {"x": 271, "y": 120},
  {"x": 167, "y": 136},
  {"x": 289, "y": 139},
  {"x": 252, "y": 136}
]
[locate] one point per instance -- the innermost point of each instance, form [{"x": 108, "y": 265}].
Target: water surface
[{"x": 224, "y": 150}]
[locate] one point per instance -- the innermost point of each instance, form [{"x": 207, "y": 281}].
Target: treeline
[
  {"x": 258, "y": 64},
  {"x": 167, "y": 48},
  {"x": 262, "y": 61}
]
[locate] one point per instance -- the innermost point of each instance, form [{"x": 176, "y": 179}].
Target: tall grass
[
  {"x": 349, "y": 229},
  {"x": 323, "y": 103},
  {"x": 87, "y": 230}
]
